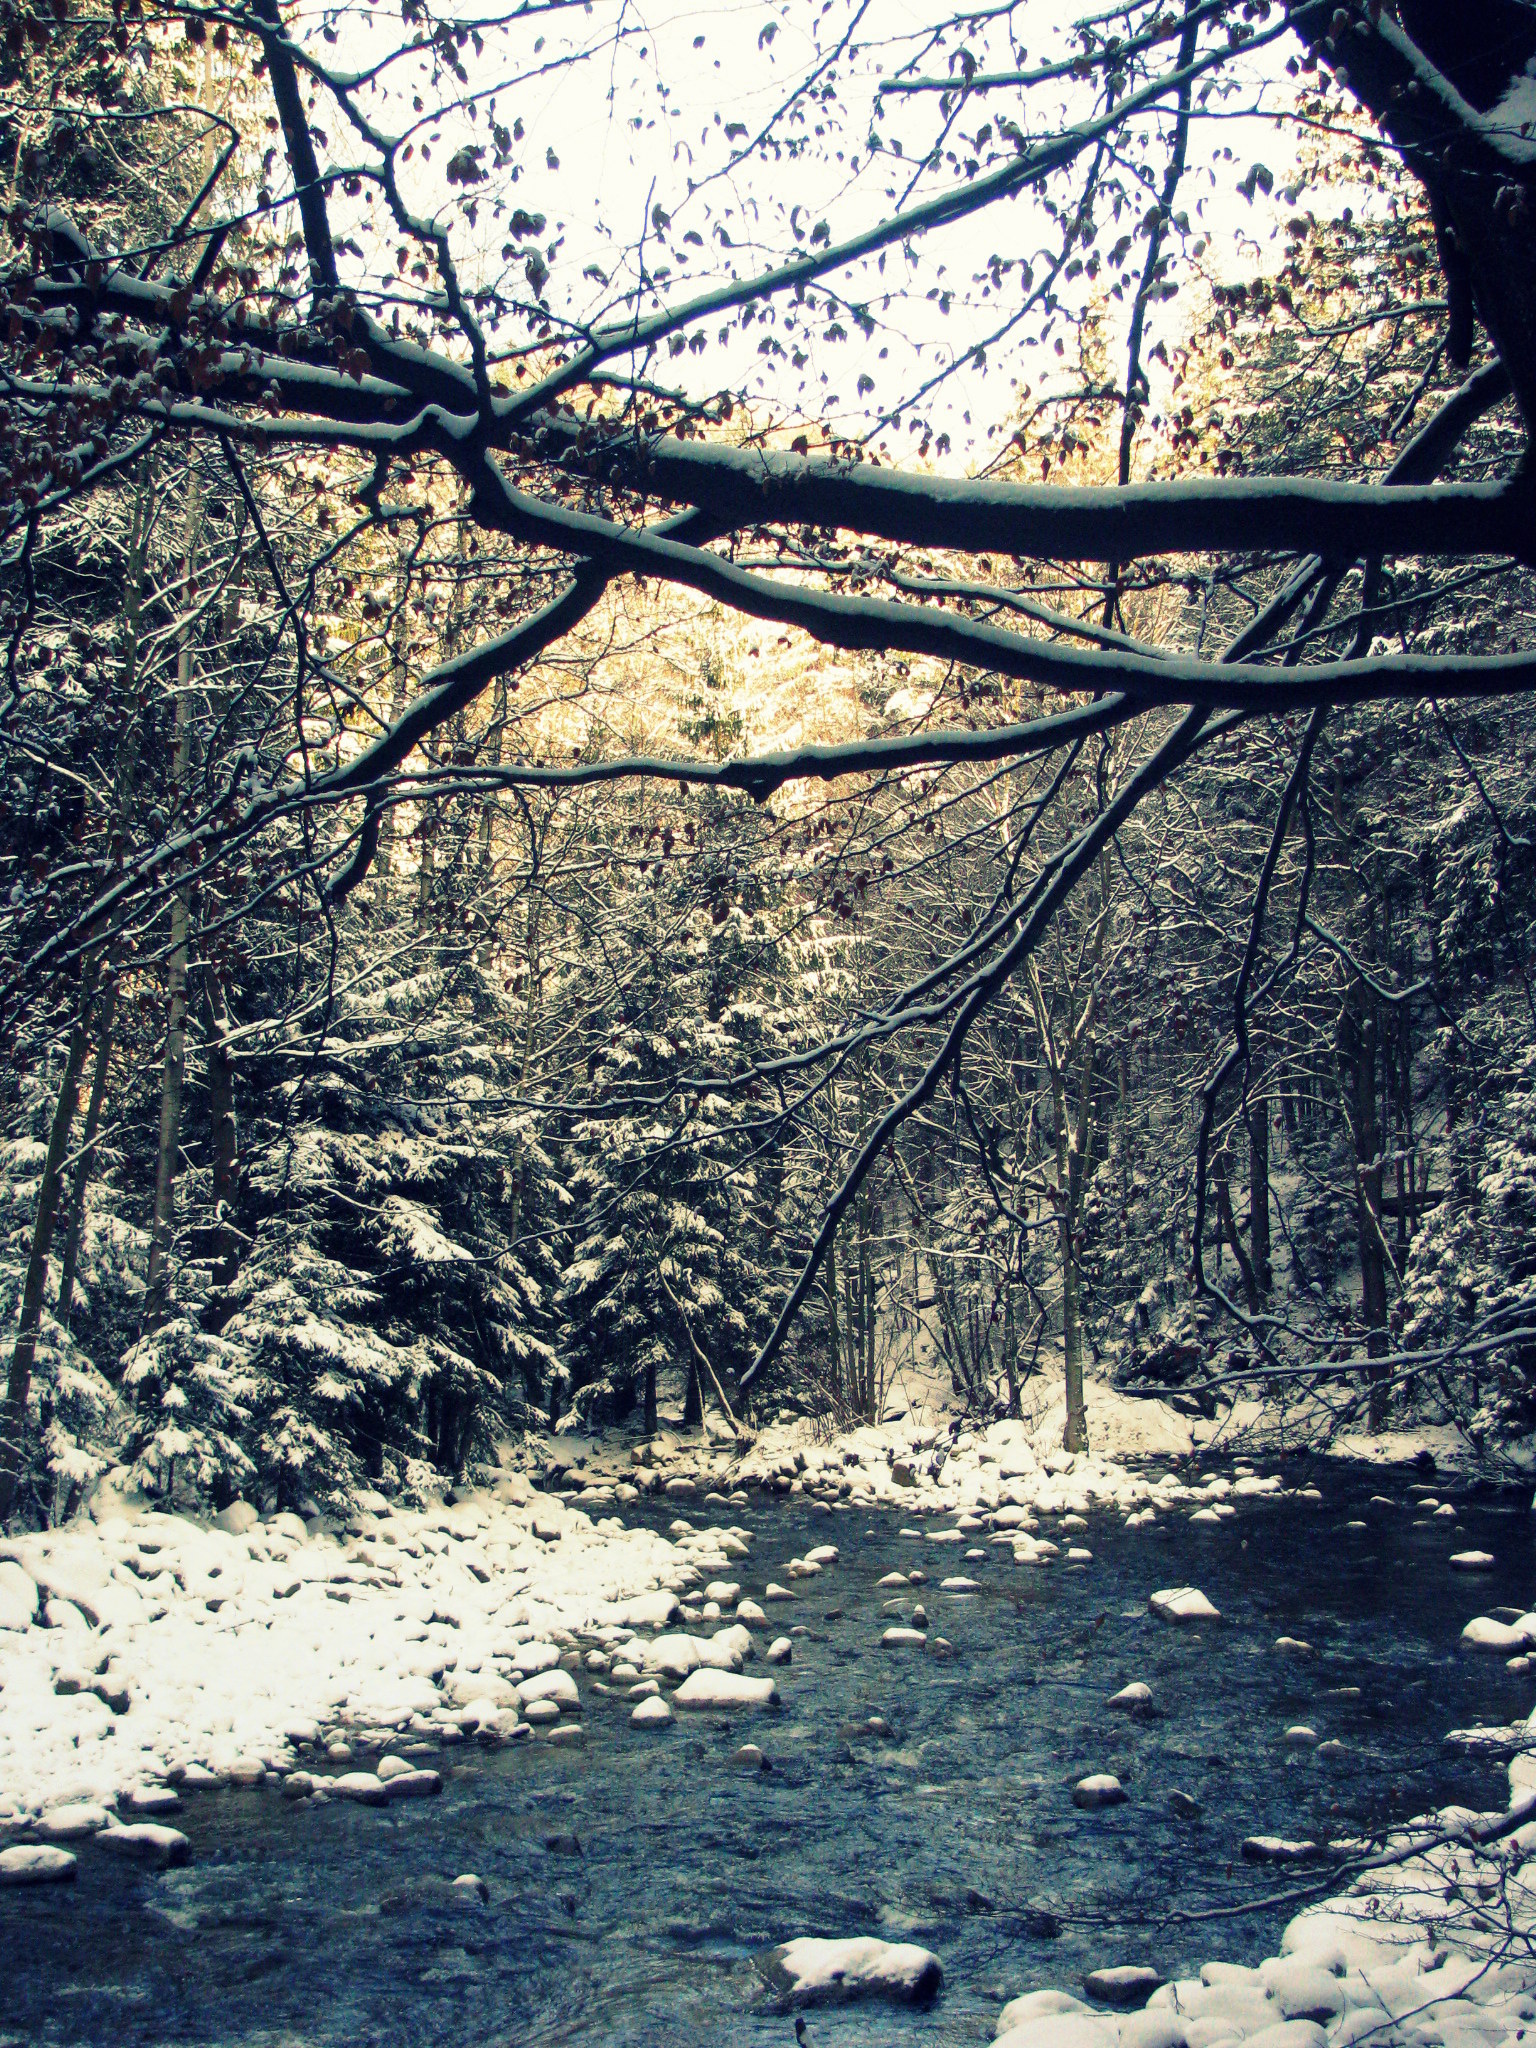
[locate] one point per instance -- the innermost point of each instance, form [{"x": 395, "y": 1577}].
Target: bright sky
[{"x": 627, "y": 109}]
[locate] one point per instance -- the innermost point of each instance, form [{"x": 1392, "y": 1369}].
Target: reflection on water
[{"x": 631, "y": 1880}]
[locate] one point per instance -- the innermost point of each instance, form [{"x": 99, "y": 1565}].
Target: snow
[
  {"x": 232, "y": 1652},
  {"x": 813, "y": 1971}
]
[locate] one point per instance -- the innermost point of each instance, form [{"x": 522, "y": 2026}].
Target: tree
[{"x": 325, "y": 338}]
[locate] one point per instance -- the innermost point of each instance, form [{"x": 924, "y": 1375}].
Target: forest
[
  {"x": 553, "y": 859},
  {"x": 767, "y": 1023}
]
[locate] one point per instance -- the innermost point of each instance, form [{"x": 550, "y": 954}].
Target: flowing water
[{"x": 632, "y": 1879}]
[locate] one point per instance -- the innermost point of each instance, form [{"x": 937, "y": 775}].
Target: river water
[{"x": 632, "y": 1880}]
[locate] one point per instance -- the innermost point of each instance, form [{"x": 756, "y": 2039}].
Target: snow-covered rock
[
  {"x": 814, "y": 1971},
  {"x": 706, "y": 1688}
]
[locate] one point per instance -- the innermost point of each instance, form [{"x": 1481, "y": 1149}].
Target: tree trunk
[
  {"x": 1228, "y": 1223},
  {"x": 85, "y": 1165},
  {"x": 1259, "y": 1241},
  {"x": 225, "y": 1133},
  {"x": 1075, "y": 1435},
  {"x": 1358, "y": 1031},
  {"x": 19, "y": 1385},
  {"x": 650, "y": 1397},
  {"x": 174, "y": 1070}
]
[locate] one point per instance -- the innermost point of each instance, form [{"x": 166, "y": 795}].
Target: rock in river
[
  {"x": 1182, "y": 1603},
  {"x": 1122, "y": 1984},
  {"x": 149, "y": 1842},
  {"x": 1100, "y": 1789},
  {"x": 705, "y": 1688},
  {"x": 811, "y": 1971},
  {"x": 30, "y": 1863}
]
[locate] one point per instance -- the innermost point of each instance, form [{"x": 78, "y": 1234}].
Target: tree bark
[
  {"x": 34, "y": 1285},
  {"x": 1358, "y": 1032},
  {"x": 224, "y": 1131},
  {"x": 85, "y": 1164},
  {"x": 1259, "y": 1240}
]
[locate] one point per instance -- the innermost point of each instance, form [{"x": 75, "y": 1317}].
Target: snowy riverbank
[{"x": 143, "y": 1653}]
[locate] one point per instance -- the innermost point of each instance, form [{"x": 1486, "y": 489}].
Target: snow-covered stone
[
  {"x": 1099, "y": 1789},
  {"x": 35, "y": 1863},
  {"x": 813, "y": 1971},
  {"x": 651, "y": 1713},
  {"x": 705, "y": 1688},
  {"x": 1182, "y": 1603}
]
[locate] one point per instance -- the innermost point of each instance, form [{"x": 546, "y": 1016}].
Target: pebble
[
  {"x": 781, "y": 1651},
  {"x": 748, "y": 1758},
  {"x": 470, "y": 1886},
  {"x": 899, "y": 1638},
  {"x": 652, "y": 1713},
  {"x": 1472, "y": 1561},
  {"x": 1099, "y": 1789},
  {"x": 540, "y": 1712},
  {"x": 35, "y": 1863},
  {"x": 776, "y": 1592},
  {"x": 1184, "y": 1806},
  {"x": 1300, "y": 1737}
]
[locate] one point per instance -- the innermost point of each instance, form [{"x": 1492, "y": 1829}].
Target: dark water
[{"x": 332, "y": 1926}]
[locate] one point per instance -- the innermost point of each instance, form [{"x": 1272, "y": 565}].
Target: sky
[{"x": 627, "y": 109}]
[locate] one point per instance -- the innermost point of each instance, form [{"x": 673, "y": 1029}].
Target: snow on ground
[
  {"x": 138, "y": 1646},
  {"x": 140, "y": 1649}
]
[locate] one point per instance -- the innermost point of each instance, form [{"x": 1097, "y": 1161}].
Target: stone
[
  {"x": 1182, "y": 1603},
  {"x": 1276, "y": 1849},
  {"x": 897, "y": 1638},
  {"x": 1472, "y": 1561},
  {"x": 652, "y": 1713},
  {"x": 1077, "y": 1555},
  {"x": 71, "y": 1823},
  {"x": 748, "y": 1758},
  {"x": 781, "y": 1651},
  {"x": 749, "y": 1611},
  {"x": 298, "y": 1785},
  {"x": 1184, "y": 1806},
  {"x": 1293, "y": 1646},
  {"x": 152, "y": 1799},
  {"x": 558, "y": 1686},
  {"x": 707, "y": 1688},
  {"x": 412, "y": 1785},
  {"x": 1128, "y": 1984},
  {"x": 1098, "y": 1790},
  {"x": 35, "y": 1863},
  {"x": 569, "y": 1737},
  {"x": 1300, "y": 1737},
  {"x": 959, "y": 1585},
  {"x": 365, "y": 1787},
  {"x": 813, "y": 1971},
  {"x": 472, "y": 1888},
  {"x": 392, "y": 1767},
  {"x": 1132, "y": 1699},
  {"x": 237, "y": 1518},
  {"x": 774, "y": 1592},
  {"x": 147, "y": 1842},
  {"x": 539, "y": 1713},
  {"x": 246, "y": 1770}
]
